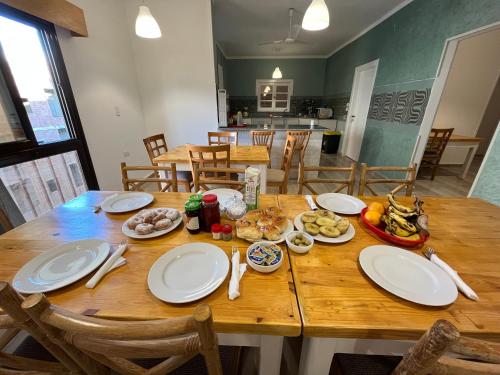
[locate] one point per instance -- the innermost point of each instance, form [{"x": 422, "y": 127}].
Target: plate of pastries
[
  {"x": 267, "y": 224},
  {"x": 325, "y": 226},
  {"x": 152, "y": 222}
]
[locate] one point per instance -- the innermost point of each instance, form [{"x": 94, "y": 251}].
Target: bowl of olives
[{"x": 300, "y": 242}]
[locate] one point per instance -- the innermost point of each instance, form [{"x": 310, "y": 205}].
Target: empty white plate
[
  {"x": 347, "y": 236},
  {"x": 125, "y": 202},
  {"x": 188, "y": 272},
  {"x": 60, "y": 266},
  {"x": 341, "y": 203},
  {"x": 408, "y": 275}
]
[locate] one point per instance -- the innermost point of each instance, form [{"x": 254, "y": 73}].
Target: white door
[{"x": 361, "y": 93}]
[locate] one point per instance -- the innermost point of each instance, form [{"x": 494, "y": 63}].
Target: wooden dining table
[
  {"x": 266, "y": 311},
  {"x": 241, "y": 157},
  {"x": 343, "y": 311}
]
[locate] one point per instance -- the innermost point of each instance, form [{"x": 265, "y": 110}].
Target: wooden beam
[{"x": 59, "y": 12}]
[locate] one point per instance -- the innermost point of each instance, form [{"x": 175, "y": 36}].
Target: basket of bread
[{"x": 259, "y": 224}]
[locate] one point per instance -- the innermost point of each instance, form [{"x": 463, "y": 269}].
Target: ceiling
[{"x": 239, "y": 25}]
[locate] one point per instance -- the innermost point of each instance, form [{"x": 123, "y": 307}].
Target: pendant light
[
  {"x": 316, "y": 16},
  {"x": 146, "y": 25},
  {"x": 277, "y": 73}
]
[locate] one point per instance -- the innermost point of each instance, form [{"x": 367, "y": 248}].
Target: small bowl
[
  {"x": 259, "y": 267},
  {"x": 299, "y": 249}
]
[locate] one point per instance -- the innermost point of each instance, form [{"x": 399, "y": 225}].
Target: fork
[
  {"x": 234, "y": 250},
  {"x": 431, "y": 254}
]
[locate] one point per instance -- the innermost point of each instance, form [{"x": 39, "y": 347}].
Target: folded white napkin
[
  {"x": 310, "y": 202},
  {"x": 237, "y": 271},
  {"x": 461, "y": 285},
  {"x": 107, "y": 266},
  {"x": 121, "y": 261}
]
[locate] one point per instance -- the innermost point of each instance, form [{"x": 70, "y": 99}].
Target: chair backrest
[
  {"x": 288, "y": 156},
  {"x": 210, "y": 156},
  {"x": 114, "y": 343},
  {"x": 263, "y": 138},
  {"x": 222, "y": 138},
  {"x": 437, "y": 141},
  {"x": 156, "y": 145},
  {"x": 403, "y": 183},
  {"x": 347, "y": 182},
  {"x": 302, "y": 138},
  {"x": 5, "y": 221},
  {"x": 164, "y": 183},
  {"x": 202, "y": 182},
  {"x": 15, "y": 318},
  {"x": 427, "y": 355}
]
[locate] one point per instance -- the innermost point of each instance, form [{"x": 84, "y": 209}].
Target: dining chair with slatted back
[
  {"x": 407, "y": 182},
  {"x": 222, "y": 138},
  {"x": 210, "y": 156},
  {"x": 302, "y": 141},
  {"x": 436, "y": 144},
  {"x": 136, "y": 183},
  {"x": 156, "y": 145},
  {"x": 263, "y": 138},
  {"x": 323, "y": 173},
  {"x": 15, "y": 319},
  {"x": 203, "y": 183},
  {"x": 279, "y": 177},
  {"x": 5, "y": 222},
  {"x": 115, "y": 343}
]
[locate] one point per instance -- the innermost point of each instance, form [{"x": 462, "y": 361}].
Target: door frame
[
  {"x": 372, "y": 65},
  {"x": 447, "y": 57}
]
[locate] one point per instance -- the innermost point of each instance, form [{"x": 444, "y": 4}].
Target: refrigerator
[{"x": 223, "y": 107}]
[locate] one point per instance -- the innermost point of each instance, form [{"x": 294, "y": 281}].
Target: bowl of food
[
  {"x": 264, "y": 256},
  {"x": 299, "y": 241}
]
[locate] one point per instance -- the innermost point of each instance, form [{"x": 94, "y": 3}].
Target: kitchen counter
[{"x": 275, "y": 127}]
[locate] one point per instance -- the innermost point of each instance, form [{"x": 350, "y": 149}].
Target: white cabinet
[
  {"x": 274, "y": 95},
  {"x": 308, "y": 121},
  {"x": 328, "y": 123}
]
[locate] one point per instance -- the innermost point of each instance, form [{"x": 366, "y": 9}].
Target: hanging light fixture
[
  {"x": 316, "y": 16},
  {"x": 277, "y": 73},
  {"x": 146, "y": 25}
]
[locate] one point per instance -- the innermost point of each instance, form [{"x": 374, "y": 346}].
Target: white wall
[
  {"x": 103, "y": 78},
  {"x": 176, "y": 73},
  {"x": 469, "y": 85}
]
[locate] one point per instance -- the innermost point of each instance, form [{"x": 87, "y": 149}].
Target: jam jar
[
  {"x": 193, "y": 212},
  {"x": 210, "y": 211}
]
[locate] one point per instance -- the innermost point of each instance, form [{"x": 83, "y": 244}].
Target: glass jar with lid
[
  {"x": 193, "y": 212},
  {"x": 210, "y": 211}
]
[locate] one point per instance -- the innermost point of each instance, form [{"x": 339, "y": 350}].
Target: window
[
  {"x": 274, "y": 95},
  {"x": 75, "y": 172},
  {"x": 52, "y": 185}
]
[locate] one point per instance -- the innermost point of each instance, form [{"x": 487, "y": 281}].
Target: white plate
[
  {"x": 125, "y": 202},
  {"x": 347, "y": 236},
  {"x": 157, "y": 233},
  {"x": 341, "y": 203},
  {"x": 60, "y": 266},
  {"x": 408, "y": 275},
  {"x": 283, "y": 235},
  {"x": 224, "y": 195},
  {"x": 188, "y": 272}
]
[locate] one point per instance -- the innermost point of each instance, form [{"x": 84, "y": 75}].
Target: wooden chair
[
  {"x": 436, "y": 144},
  {"x": 164, "y": 183},
  {"x": 342, "y": 183},
  {"x": 15, "y": 319},
  {"x": 279, "y": 177},
  {"x": 427, "y": 356},
  {"x": 302, "y": 140},
  {"x": 156, "y": 145},
  {"x": 222, "y": 138},
  {"x": 263, "y": 138},
  {"x": 210, "y": 156},
  {"x": 408, "y": 182},
  {"x": 114, "y": 343},
  {"x": 201, "y": 182},
  {"x": 5, "y": 221}
]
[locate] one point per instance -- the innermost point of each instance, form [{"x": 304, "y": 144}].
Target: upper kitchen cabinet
[{"x": 274, "y": 95}]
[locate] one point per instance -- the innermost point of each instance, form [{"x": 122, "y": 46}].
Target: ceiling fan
[{"x": 293, "y": 33}]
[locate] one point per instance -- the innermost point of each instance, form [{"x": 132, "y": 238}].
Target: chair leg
[
  {"x": 434, "y": 170},
  {"x": 187, "y": 186}
]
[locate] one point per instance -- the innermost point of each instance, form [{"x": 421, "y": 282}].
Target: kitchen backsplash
[{"x": 298, "y": 105}]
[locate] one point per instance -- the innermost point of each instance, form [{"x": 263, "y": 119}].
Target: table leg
[
  {"x": 468, "y": 160},
  {"x": 316, "y": 356},
  {"x": 263, "y": 177},
  {"x": 270, "y": 355}
]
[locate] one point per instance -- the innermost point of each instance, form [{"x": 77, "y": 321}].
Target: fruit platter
[{"x": 397, "y": 223}]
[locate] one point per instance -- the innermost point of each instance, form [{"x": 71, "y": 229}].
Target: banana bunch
[{"x": 403, "y": 221}]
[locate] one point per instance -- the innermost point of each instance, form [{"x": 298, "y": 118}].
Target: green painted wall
[
  {"x": 488, "y": 183},
  {"x": 308, "y": 75},
  {"x": 409, "y": 45}
]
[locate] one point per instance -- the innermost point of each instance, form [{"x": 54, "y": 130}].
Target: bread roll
[
  {"x": 273, "y": 211},
  {"x": 133, "y": 222},
  {"x": 163, "y": 224},
  {"x": 172, "y": 214},
  {"x": 281, "y": 222},
  {"x": 145, "y": 228},
  {"x": 248, "y": 231},
  {"x": 265, "y": 220},
  {"x": 253, "y": 215},
  {"x": 271, "y": 232}
]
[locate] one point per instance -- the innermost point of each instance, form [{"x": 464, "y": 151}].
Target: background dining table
[
  {"x": 265, "y": 312},
  {"x": 343, "y": 311},
  {"x": 241, "y": 157}
]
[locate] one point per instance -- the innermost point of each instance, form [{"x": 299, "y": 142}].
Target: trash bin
[{"x": 331, "y": 142}]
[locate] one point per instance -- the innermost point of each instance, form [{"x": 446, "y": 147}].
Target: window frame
[
  {"x": 21, "y": 151},
  {"x": 272, "y": 83}
]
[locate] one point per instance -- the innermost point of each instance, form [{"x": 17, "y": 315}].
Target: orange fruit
[
  {"x": 373, "y": 217},
  {"x": 377, "y": 206}
]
